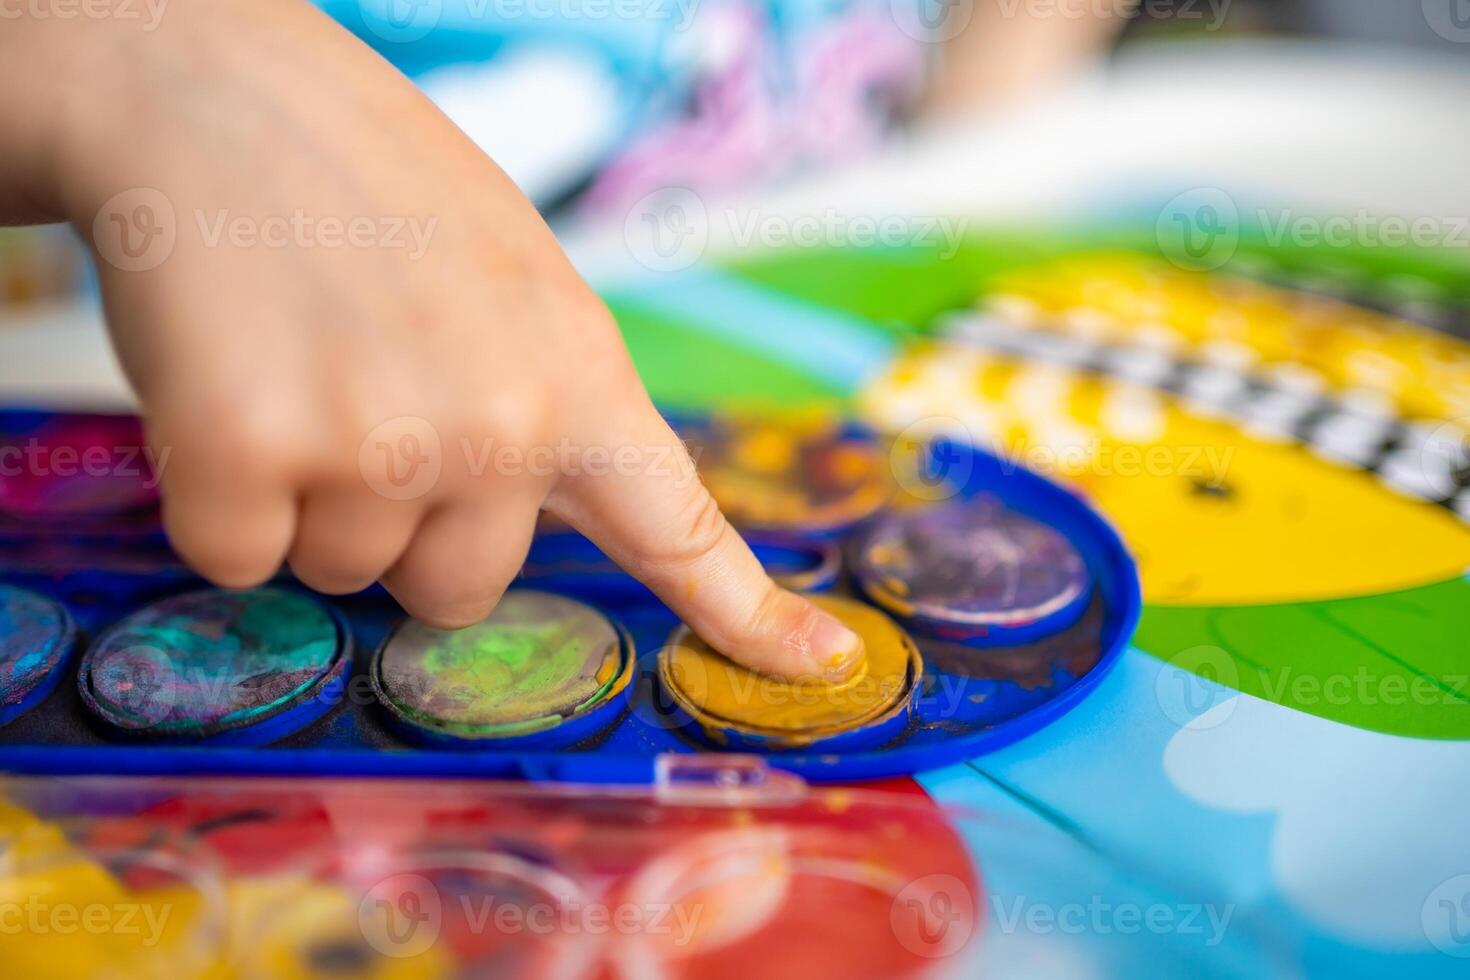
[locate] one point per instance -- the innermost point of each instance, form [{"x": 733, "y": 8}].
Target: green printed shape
[
  {"x": 1398, "y": 664},
  {"x": 898, "y": 289},
  {"x": 687, "y": 370}
]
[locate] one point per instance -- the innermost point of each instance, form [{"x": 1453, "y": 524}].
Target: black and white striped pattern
[{"x": 1421, "y": 459}]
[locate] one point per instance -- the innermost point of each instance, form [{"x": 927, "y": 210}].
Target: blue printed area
[
  {"x": 843, "y": 350},
  {"x": 1055, "y": 906},
  {"x": 1338, "y": 849},
  {"x": 418, "y": 35}
]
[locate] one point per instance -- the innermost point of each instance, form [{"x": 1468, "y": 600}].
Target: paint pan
[
  {"x": 73, "y": 466},
  {"x": 971, "y": 571},
  {"x": 37, "y": 639},
  {"x": 729, "y": 706},
  {"x": 542, "y": 669},
  {"x": 239, "y": 668},
  {"x": 810, "y": 477}
]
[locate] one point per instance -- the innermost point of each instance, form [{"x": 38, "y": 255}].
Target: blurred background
[{"x": 1066, "y": 114}]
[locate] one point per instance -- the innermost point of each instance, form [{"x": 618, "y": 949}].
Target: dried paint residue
[
  {"x": 537, "y": 655},
  {"x": 210, "y": 660},
  {"x": 790, "y": 474},
  {"x": 34, "y": 639},
  {"x": 969, "y": 562}
]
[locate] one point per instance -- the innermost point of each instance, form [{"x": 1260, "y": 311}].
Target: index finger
[{"x": 658, "y": 521}]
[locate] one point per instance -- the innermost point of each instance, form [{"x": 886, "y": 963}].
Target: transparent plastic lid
[{"x": 721, "y": 868}]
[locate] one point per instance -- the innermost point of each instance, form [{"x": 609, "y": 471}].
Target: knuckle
[
  {"x": 259, "y": 438},
  {"x": 514, "y": 412},
  {"x": 695, "y": 534},
  {"x": 762, "y": 621}
]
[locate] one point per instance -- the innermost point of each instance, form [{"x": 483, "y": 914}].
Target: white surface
[
  {"x": 546, "y": 143},
  {"x": 59, "y": 355},
  {"x": 1325, "y": 129}
]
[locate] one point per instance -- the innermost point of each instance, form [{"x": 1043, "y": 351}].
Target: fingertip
[
  {"x": 328, "y": 580},
  {"x": 791, "y": 639},
  {"x": 836, "y": 650},
  {"x": 232, "y": 577},
  {"x": 461, "y": 561},
  {"x": 447, "y": 617},
  {"x": 242, "y": 561},
  {"x": 233, "y": 535}
]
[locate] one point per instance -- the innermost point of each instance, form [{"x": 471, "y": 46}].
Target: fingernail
[{"x": 837, "y": 650}]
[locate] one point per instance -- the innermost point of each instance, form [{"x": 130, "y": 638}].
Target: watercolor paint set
[{"x": 990, "y": 602}]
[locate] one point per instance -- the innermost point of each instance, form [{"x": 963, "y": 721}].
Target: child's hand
[{"x": 358, "y": 344}]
